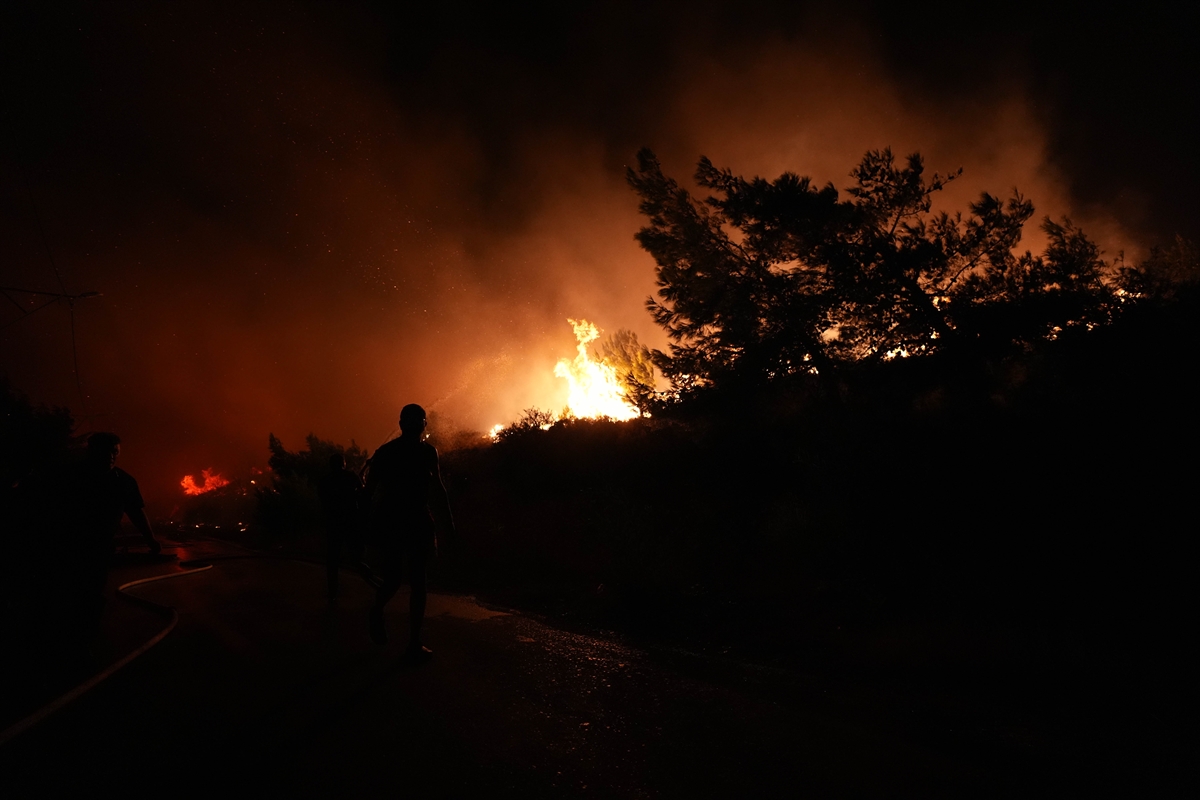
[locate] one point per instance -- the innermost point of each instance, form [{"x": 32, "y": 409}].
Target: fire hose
[
  {"x": 192, "y": 567},
  {"x": 62, "y": 701}
]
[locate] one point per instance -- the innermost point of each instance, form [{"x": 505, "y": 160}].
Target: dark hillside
[{"x": 1010, "y": 523}]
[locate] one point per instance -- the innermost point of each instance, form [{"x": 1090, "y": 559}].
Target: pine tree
[{"x": 762, "y": 280}]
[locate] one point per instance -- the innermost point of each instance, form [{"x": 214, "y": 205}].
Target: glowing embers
[
  {"x": 593, "y": 388},
  {"x": 209, "y": 480}
]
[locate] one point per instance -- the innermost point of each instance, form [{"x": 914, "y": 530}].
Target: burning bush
[
  {"x": 209, "y": 480},
  {"x": 614, "y": 381},
  {"x": 532, "y": 419},
  {"x": 218, "y": 505},
  {"x": 595, "y": 389}
]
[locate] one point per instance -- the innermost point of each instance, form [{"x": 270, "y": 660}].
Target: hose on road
[{"x": 62, "y": 701}]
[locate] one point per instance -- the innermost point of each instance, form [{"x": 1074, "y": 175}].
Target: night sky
[{"x": 303, "y": 216}]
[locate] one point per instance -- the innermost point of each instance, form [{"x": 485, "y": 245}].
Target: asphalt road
[{"x": 262, "y": 686}]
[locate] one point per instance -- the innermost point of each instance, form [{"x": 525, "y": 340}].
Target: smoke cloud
[{"x": 297, "y": 229}]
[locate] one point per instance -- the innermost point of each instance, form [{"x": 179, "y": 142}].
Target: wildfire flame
[
  {"x": 594, "y": 390},
  {"x": 209, "y": 480}
]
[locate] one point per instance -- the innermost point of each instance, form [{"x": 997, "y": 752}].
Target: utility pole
[{"x": 54, "y": 298}]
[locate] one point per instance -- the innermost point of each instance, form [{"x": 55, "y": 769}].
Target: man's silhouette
[
  {"x": 403, "y": 474},
  {"x": 339, "y": 491},
  {"x": 96, "y": 494}
]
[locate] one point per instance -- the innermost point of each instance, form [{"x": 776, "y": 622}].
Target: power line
[
  {"x": 8, "y": 296},
  {"x": 62, "y": 294},
  {"x": 54, "y": 298},
  {"x": 49, "y": 302}
]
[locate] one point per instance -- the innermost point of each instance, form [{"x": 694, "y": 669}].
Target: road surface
[{"x": 262, "y": 686}]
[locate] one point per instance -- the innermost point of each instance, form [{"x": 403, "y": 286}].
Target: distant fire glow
[
  {"x": 594, "y": 390},
  {"x": 209, "y": 480}
]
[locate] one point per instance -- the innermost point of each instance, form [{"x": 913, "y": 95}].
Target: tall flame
[
  {"x": 209, "y": 480},
  {"x": 594, "y": 390}
]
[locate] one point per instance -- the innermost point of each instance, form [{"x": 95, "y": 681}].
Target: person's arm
[
  {"x": 441, "y": 498},
  {"x": 368, "y": 482},
  {"x": 138, "y": 517},
  {"x": 135, "y": 509}
]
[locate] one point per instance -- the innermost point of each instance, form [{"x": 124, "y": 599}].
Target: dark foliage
[
  {"x": 1004, "y": 526},
  {"x": 767, "y": 280},
  {"x": 34, "y": 439},
  {"x": 288, "y": 507},
  {"x": 1165, "y": 273},
  {"x": 39, "y": 608},
  {"x": 532, "y": 419},
  {"x": 36, "y": 443}
]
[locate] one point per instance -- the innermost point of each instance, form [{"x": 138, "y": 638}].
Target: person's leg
[
  {"x": 391, "y": 566},
  {"x": 353, "y": 543},
  {"x": 416, "y": 600},
  {"x": 333, "y": 553},
  {"x": 81, "y": 611}
]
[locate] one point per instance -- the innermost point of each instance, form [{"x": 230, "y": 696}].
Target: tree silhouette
[
  {"x": 34, "y": 440},
  {"x": 767, "y": 279},
  {"x": 311, "y": 464},
  {"x": 288, "y": 504},
  {"x": 532, "y": 419},
  {"x": 1166, "y": 271}
]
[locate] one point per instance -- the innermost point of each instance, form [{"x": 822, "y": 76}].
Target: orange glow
[
  {"x": 209, "y": 480},
  {"x": 594, "y": 390}
]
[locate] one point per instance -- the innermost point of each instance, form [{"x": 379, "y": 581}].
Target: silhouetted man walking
[{"x": 403, "y": 474}]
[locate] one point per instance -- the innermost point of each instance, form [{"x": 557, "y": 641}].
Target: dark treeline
[
  {"x": 892, "y": 405},
  {"x": 891, "y": 444},
  {"x": 39, "y": 609},
  {"x": 762, "y": 281},
  {"x": 36, "y": 442},
  {"x": 287, "y": 510},
  {"x": 945, "y": 486},
  {"x": 287, "y": 500}
]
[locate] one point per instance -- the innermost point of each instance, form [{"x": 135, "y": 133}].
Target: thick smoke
[{"x": 292, "y": 237}]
